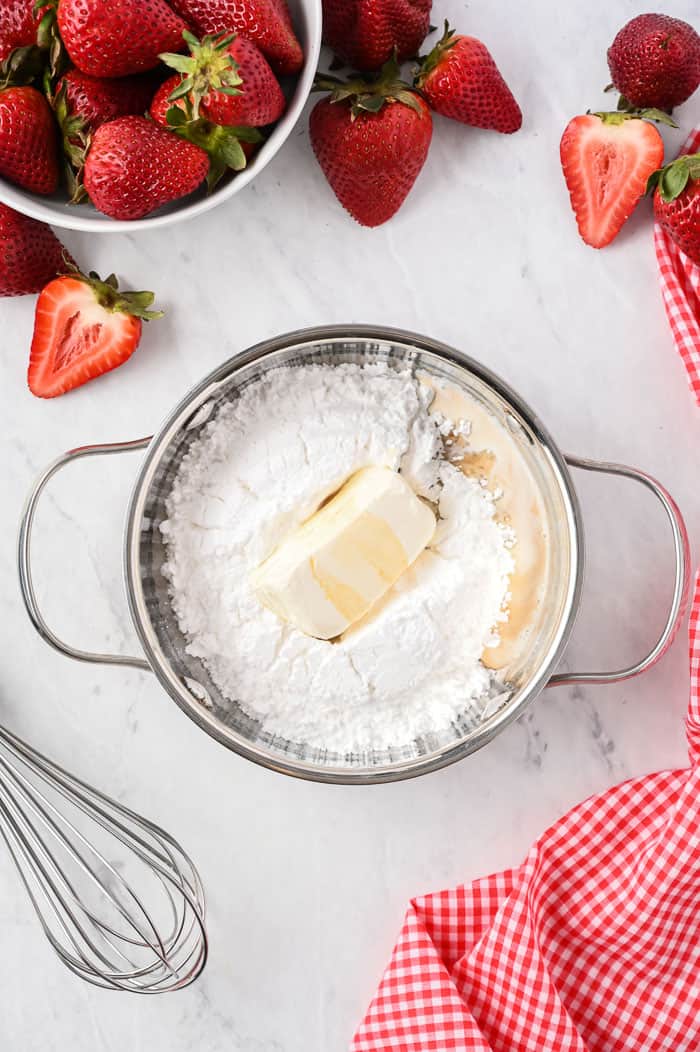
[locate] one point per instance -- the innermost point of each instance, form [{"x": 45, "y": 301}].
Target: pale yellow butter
[{"x": 335, "y": 566}]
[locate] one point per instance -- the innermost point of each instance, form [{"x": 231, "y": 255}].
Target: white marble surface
[{"x": 307, "y": 885}]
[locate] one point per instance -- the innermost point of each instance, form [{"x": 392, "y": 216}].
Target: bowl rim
[
  {"x": 33, "y": 206},
  {"x": 259, "y": 754}
]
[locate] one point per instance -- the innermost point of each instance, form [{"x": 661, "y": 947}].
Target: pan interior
[{"x": 530, "y": 655}]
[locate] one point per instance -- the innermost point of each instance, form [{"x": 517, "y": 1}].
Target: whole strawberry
[
  {"x": 371, "y": 141},
  {"x": 120, "y": 37},
  {"x": 134, "y": 166},
  {"x": 30, "y": 254},
  {"x": 18, "y": 25},
  {"x": 677, "y": 202},
  {"x": 266, "y": 22},
  {"x": 366, "y": 33},
  {"x": 229, "y": 81},
  {"x": 654, "y": 61},
  {"x": 96, "y": 100},
  {"x": 460, "y": 79},
  {"x": 82, "y": 103},
  {"x": 28, "y": 142}
]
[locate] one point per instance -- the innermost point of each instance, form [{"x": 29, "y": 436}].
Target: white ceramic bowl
[{"x": 306, "y": 15}]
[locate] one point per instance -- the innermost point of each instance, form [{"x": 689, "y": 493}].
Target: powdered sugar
[{"x": 260, "y": 468}]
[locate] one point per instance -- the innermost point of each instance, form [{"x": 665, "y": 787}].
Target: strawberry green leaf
[
  {"x": 180, "y": 63},
  {"x": 370, "y": 103},
  {"x": 183, "y": 88},
  {"x": 175, "y": 117},
  {"x": 659, "y": 116},
  {"x": 22, "y": 66},
  {"x": 190, "y": 38},
  {"x": 231, "y": 152},
  {"x": 326, "y": 82},
  {"x": 673, "y": 181},
  {"x": 246, "y": 134}
]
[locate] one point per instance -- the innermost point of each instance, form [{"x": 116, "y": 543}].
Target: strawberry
[
  {"x": 654, "y": 61},
  {"x": 371, "y": 141},
  {"x": 28, "y": 146},
  {"x": 82, "y": 103},
  {"x": 229, "y": 76},
  {"x": 18, "y": 25},
  {"x": 459, "y": 79},
  {"x": 96, "y": 100},
  {"x": 366, "y": 33},
  {"x": 266, "y": 22},
  {"x": 83, "y": 327},
  {"x": 677, "y": 202},
  {"x": 30, "y": 254},
  {"x": 607, "y": 159},
  {"x": 134, "y": 167},
  {"x": 120, "y": 37}
]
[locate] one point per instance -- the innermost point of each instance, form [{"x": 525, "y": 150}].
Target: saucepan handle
[
  {"x": 681, "y": 550},
  {"x": 24, "y": 556}
]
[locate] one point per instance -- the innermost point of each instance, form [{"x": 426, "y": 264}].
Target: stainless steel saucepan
[{"x": 185, "y": 678}]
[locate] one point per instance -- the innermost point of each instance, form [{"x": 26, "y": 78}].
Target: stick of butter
[{"x": 335, "y": 566}]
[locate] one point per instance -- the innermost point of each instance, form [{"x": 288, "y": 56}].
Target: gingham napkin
[
  {"x": 593, "y": 944},
  {"x": 680, "y": 288}
]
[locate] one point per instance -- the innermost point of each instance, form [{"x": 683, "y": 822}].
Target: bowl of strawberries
[{"x": 124, "y": 114}]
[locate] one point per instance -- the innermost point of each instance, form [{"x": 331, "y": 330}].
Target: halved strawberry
[
  {"x": 83, "y": 327},
  {"x": 606, "y": 159}
]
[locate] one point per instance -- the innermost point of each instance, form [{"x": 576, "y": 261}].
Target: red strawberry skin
[
  {"x": 364, "y": 33},
  {"x": 28, "y": 140},
  {"x": 373, "y": 161},
  {"x": 606, "y": 167},
  {"x": 266, "y": 22},
  {"x": 30, "y": 254},
  {"x": 467, "y": 86},
  {"x": 261, "y": 100},
  {"x": 655, "y": 61},
  {"x": 134, "y": 166},
  {"x": 160, "y": 103},
  {"x": 98, "y": 99},
  {"x": 75, "y": 339},
  {"x": 680, "y": 218},
  {"x": 18, "y": 25},
  {"x": 120, "y": 37}
]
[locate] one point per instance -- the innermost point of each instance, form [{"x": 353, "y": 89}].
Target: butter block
[{"x": 329, "y": 572}]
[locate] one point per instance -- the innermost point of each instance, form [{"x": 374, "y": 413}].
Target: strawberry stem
[
  {"x": 109, "y": 296},
  {"x": 619, "y": 116},
  {"x": 221, "y": 142},
  {"x": 430, "y": 61},
  {"x": 208, "y": 67},
  {"x": 369, "y": 95}
]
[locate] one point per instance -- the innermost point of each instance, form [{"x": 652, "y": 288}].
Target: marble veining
[{"x": 307, "y": 885}]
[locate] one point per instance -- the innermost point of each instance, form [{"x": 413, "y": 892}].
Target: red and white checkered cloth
[
  {"x": 680, "y": 287},
  {"x": 593, "y": 944}
]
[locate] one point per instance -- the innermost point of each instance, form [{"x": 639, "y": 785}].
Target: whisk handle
[{"x": 24, "y": 556}]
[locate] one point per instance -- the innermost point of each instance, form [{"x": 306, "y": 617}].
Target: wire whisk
[{"x": 119, "y": 900}]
